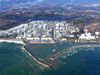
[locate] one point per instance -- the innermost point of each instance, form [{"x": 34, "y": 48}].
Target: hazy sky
[{"x": 53, "y": 0}]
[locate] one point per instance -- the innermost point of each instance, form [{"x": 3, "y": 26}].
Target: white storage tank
[{"x": 97, "y": 33}]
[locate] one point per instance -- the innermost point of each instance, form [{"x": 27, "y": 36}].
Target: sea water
[{"x": 78, "y": 61}]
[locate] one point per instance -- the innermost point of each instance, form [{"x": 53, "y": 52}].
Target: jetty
[
  {"x": 37, "y": 60},
  {"x": 48, "y": 65},
  {"x": 69, "y": 48}
]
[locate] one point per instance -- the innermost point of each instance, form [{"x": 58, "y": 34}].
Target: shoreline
[
  {"x": 53, "y": 57},
  {"x": 12, "y": 41},
  {"x": 21, "y": 42}
]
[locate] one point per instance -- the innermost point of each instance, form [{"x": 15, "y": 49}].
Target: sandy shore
[{"x": 14, "y": 41}]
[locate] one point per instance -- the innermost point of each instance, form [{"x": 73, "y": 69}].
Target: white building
[
  {"x": 32, "y": 38},
  {"x": 29, "y": 38},
  {"x": 36, "y": 38},
  {"x": 19, "y": 37},
  {"x": 46, "y": 38},
  {"x": 87, "y": 36},
  {"x": 64, "y": 39},
  {"x": 71, "y": 36}
]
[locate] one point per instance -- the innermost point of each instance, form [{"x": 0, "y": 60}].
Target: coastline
[
  {"x": 52, "y": 58},
  {"x": 13, "y": 41},
  {"x": 21, "y": 42}
]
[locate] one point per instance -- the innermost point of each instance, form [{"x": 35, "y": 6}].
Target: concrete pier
[{"x": 67, "y": 49}]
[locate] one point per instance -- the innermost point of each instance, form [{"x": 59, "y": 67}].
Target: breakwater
[
  {"x": 37, "y": 60},
  {"x": 69, "y": 48}
]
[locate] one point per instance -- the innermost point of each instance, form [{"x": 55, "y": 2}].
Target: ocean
[{"x": 79, "y": 61}]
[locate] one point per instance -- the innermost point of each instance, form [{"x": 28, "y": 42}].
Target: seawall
[
  {"x": 69, "y": 48},
  {"x": 21, "y": 42},
  {"x": 36, "y": 59}
]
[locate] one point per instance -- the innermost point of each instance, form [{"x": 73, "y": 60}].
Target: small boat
[
  {"x": 55, "y": 50},
  {"x": 61, "y": 43}
]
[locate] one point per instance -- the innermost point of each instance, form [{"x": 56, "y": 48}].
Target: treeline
[{"x": 9, "y": 25}]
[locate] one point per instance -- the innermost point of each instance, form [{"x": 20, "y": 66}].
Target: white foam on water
[
  {"x": 89, "y": 48},
  {"x": 27, "y": 55},
  {"x": 42, "y": 67},
  {"x": 70, "y": 53},
  {"x": 12, "y": 41},
  {"x": 15, "y": 48}
]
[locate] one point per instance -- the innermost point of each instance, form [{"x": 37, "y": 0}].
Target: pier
[{"x": 67, "y": 49}]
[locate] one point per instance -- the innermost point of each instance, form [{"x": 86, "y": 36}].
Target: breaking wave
[{"x": 76, "y": 50}]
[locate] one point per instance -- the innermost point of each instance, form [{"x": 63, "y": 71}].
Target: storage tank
[{"x": 97, "y": 33}]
